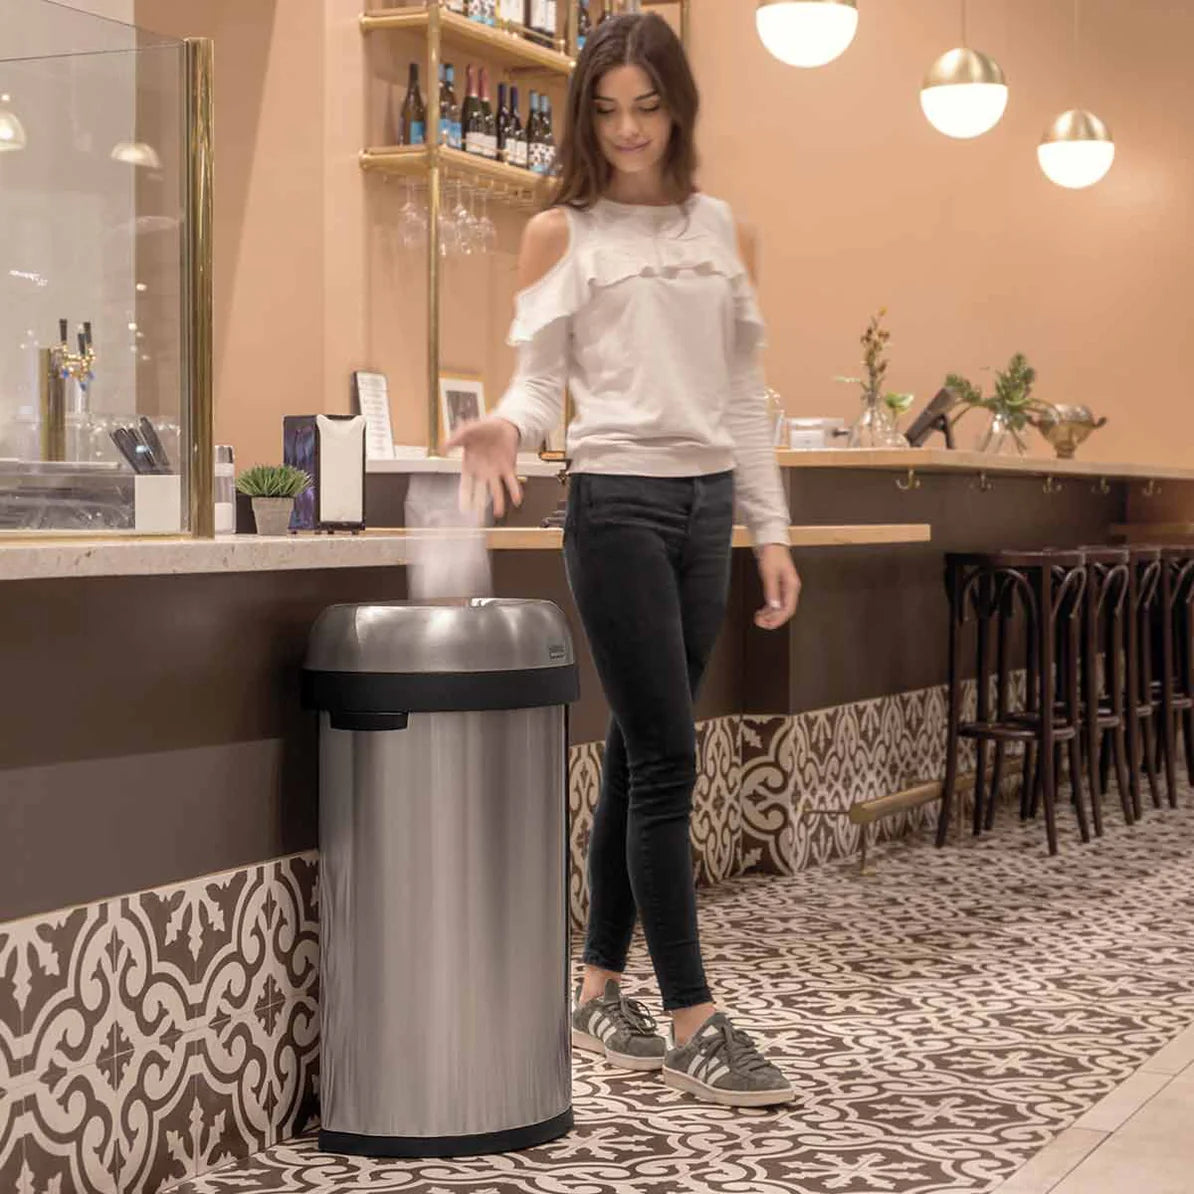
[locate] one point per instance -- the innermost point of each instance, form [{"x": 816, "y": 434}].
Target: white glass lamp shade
[
  {"x": 964, "y": 94},
  {"x": 12, "y": 132},
  {"x": 136, "y": 153},
  {"x": 806, "y": 32},
  {"x": 1076, "y": 150}
]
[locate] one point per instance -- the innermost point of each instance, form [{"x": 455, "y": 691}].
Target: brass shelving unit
[{"x": 507, "y": 48}]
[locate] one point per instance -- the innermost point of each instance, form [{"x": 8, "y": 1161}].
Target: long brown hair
[{"x": 644, "y": 40}]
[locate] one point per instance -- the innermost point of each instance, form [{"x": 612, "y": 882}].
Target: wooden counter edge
[
  {"x": 947, "y": 460},
  {"x": 861, "y": 535}
]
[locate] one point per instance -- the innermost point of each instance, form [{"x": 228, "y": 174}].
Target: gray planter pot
[{"x": 272, "y": 514}]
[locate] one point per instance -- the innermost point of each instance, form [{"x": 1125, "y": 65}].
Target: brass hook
[
  {"x": 1051, "y": 485},
  {"x": 912, "y": 481},
  {"x": 1101, "y": 486},
  {"x": 985, "y": 485},
  {"x": 1152, "y": 488}
]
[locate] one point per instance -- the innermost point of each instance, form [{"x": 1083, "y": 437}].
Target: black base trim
[{"x": 354, "y": 1145}]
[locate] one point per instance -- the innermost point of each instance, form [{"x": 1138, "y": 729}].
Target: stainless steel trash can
[{"x": 443, "y": 888}]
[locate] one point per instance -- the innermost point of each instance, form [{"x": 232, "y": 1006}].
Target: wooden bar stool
[
  {"x": 1176, "y": 694},
  {"x": 1103, "y": 682},
  {"x": 1144, "y": 578},
  {"x": 1047, "y": 587}
]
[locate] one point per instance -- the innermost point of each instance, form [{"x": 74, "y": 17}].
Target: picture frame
[{"x": 461, "y": 399}]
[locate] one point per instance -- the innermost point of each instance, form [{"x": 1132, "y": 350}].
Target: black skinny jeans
[{"x": 649, "y": 565}]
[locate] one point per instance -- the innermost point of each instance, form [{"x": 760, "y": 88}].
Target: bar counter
[
  {"x": 61, "y": 559},
  {"x": 152, "y": 702}
]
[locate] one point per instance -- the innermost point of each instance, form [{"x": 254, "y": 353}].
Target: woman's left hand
[{"x": 781, "y": 586}]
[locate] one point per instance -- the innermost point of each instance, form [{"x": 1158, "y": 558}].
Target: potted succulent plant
[
  {"x": 875, "y": 426},
  {"x": 272, "y": 489},
  {"x": 1012, "y": 405}
]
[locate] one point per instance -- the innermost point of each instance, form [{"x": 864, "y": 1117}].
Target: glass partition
[{"x": 96, "y": 424}]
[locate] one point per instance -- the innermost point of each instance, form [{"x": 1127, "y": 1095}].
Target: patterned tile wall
[{"x": 149, "y": 1038}]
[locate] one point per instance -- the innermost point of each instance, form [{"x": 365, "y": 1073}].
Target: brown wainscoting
[{"x": 873, "y": 620}]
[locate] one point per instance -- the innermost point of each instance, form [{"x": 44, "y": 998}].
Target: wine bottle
[
  {"x": 412, "y": 119},
  {"x": 445, "y": 119},
  {"x": 503, "y": 119},
  {"x": 547, "y": 137},
  {"x": 472, "y": 119},
  {"x": 516, "y": 141},
  {"x": 534, "y": 146},
  {"x": 584, "y": 24},
  {"x": 453, "y": 108},
  {"x": 537, "y": 22},
  {"x": 490, "y": 121}
]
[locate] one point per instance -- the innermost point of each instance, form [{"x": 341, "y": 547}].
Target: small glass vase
[
  {"x": 1001, "y": 439},
  {"x": 874, "y": 427}
]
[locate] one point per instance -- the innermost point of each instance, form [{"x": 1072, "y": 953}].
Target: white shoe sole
[
  {"x": 623, "y": 1061},
  {"x": 678, "y": 1080}
]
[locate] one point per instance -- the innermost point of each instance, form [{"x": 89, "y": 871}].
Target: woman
[{"x": 634, "y": 296}]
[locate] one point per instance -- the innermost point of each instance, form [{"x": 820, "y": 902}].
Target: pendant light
[
  {"x": 1077, "y": 149},
  {"x": 12, "y": 131},
  {"x": 136, "y": 153},
  {"x": 807, "y": 32},
  {"x": 964, "y": 93}
]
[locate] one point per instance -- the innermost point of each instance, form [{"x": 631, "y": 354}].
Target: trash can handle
[{"x": 375, "y": 722}]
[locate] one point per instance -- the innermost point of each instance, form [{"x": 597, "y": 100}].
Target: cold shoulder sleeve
[{"x": 541, "y": 332}]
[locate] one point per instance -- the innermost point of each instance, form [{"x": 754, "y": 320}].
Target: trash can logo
[{"x": 557, "y": 651}]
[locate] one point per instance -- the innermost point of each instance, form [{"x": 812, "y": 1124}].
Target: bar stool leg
[
  {"x": 1116, "y": 684},
  {"x": 1188, "y": 672},
  {"x": 1074, "y": 715},
  {"x": 1146, "y": 694},
  {"x": 1002, "y": 700},
  {"x": 985, "y": 586},
  {"x": 1132, "y": 709},
  {"x": 953, "y": 716},
  {"x": 1090, "y": 678},
  {"x": 1046, "y": 631},
  {"x": 1031, "y": 774},
  {"x": 1168, "y": 734}
]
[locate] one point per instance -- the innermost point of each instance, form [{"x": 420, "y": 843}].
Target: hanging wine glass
[
  {"x": 412, "y": 218},
  {"x": 486, "y": 229}
]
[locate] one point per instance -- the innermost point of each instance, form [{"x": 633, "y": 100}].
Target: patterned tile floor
[{"x": 943, "y": 1021}]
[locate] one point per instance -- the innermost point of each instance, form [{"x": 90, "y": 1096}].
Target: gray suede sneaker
[
  {"x": 720, "y": 1064},
  {"x": 620, "y": 1029}
]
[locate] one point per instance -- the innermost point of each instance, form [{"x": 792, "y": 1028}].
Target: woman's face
[{"x": 633, "y": 127}]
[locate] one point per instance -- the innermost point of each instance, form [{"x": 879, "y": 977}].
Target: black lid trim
[{"x": 439, "y": 692}]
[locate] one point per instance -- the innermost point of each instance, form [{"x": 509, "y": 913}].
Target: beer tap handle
[
  {"x": 62, "y": 331},
  {"x": 87, "y": 332}
]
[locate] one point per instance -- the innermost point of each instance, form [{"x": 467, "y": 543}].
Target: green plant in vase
[
  {"x": 273, "y": 489},
  {"x": 875, "y": 426},
  {"x": 1012, "y": 406}
]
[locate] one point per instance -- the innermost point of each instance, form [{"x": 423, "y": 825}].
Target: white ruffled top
[{"x": 650, "y": 320}]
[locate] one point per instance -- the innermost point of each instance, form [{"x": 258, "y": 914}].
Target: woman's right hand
[{"x": 490, "y": 459}]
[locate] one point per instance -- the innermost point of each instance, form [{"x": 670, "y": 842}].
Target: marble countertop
[
  {"x": 42, "y": 559},
  {"x": 950, "y": 460}
]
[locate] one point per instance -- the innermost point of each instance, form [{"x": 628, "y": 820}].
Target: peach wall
[
  {"x": 857, "y": 201},
  {"x": 860, "y": 203},
  {"x": 269, "y": 210}
]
